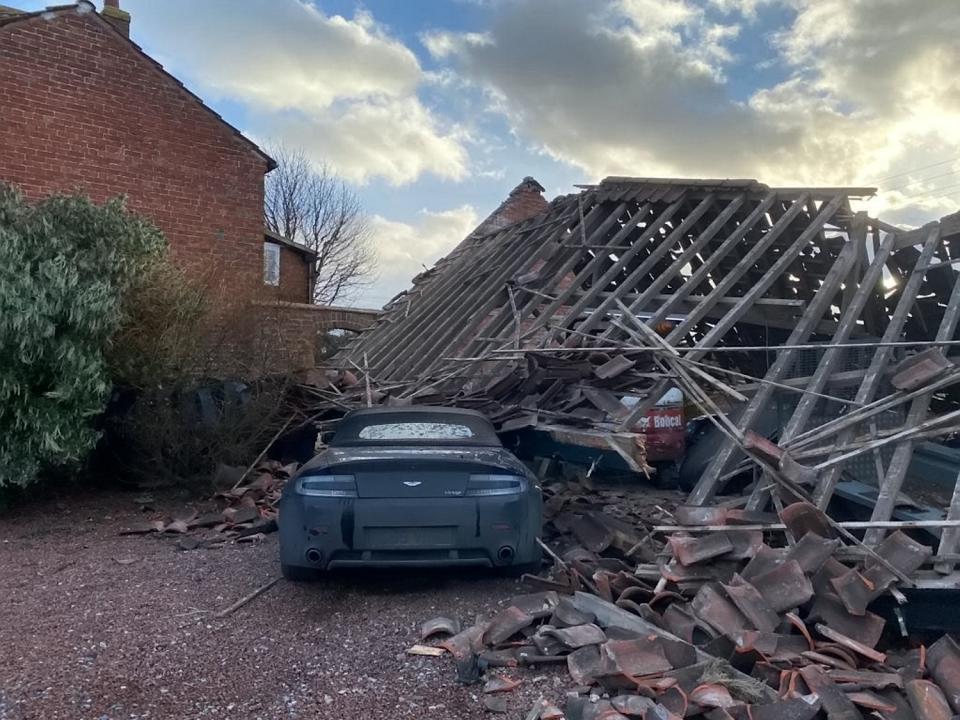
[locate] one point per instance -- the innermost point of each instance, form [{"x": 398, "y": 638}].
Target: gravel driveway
[{"x": 95, "y": 625}]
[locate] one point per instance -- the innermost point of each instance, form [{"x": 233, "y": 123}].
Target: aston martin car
[{"x": 413, "y": 486}]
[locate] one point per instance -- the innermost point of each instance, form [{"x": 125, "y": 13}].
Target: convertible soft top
[{"x": 415, "y": 425}]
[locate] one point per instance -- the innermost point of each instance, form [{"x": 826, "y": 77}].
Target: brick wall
[
  {"x": 82, "y": 108},
  {"x": 294, "y": 276},
  {"x": 288, "y": 331}
]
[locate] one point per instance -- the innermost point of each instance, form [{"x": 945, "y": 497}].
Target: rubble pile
[
  {"x": 725, "y": 625},
  {"x": 245, "y": 510},
  {"x": 585, "y": 392}
]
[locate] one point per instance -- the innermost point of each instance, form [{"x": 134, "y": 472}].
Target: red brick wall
[
  {"x": 294, "y": 276},
  {"x": 81, "y": 108},
  {"x": 288, "y": 331}
]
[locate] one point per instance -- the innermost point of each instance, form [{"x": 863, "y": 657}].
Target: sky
[{"x": 433, "y": 110}]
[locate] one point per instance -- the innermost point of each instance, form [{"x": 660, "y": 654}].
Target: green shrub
[
  {"x": 184, "y": 338},
  {"x": 65, "y": 264}
]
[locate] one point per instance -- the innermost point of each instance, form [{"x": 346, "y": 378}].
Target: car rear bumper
[{"x": 326, "y": 533}]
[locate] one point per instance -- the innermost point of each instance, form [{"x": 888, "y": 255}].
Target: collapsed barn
[{"x": 810, "y": 344}]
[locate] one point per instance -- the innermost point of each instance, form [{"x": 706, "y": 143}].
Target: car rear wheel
[{"x": 295, "y": 573}]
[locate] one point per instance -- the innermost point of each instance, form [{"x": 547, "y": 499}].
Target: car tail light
[
  {"x": 483, "y": 485},
  {"x": 328, "y": 486}
]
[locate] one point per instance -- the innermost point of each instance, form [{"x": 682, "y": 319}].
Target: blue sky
[{"x": 434, "y": 109}]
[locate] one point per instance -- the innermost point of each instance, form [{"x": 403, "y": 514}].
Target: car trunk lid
[{"x": 419, "y": 473}]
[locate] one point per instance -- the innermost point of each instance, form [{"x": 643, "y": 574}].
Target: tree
[
  {"x": 311, "y": 205},
  {"x": 65, "y": 266}
]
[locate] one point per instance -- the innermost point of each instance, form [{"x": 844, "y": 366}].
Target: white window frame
[{"x": 271, "y": 264}]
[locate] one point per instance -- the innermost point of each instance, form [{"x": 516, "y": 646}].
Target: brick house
[{"x": 82, "y": 107}]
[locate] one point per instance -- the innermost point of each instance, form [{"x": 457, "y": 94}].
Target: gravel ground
[{"x": 95, "y": 625}]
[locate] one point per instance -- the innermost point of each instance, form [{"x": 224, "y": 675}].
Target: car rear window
[
  {"x": 415, "y": 431},
  {"x": 415, "y": 427}
]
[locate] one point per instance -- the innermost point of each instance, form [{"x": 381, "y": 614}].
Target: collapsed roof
[{"x": 747, "y": 281}]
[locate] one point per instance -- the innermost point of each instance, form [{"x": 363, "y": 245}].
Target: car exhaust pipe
[
  {"x": 314, "y": 556},
  {"x": 506, "y": 554}
]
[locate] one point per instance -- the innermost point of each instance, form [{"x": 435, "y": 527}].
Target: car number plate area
[{"x": 407, "y": 537}]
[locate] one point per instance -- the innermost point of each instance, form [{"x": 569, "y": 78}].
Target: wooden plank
[
  {"x": 637, "y": 246},
  {"x": 832, "y": 356},
  {"x": 455, "y": 304},
  {"x": 557, "y": 265},
  {"x": 585, "y": 272},
  {"x": 897, "y": 471},
  {"x": 950, "y": 538},
  {"x": 707, "y": 485},
  {"x": 629, "y": 283},
  {"x": 828, "y": 480}
]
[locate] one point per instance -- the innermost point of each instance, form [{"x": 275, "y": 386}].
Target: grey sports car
[{"x": 414, "y": 486}]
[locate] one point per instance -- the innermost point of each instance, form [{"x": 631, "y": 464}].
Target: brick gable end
[{"x": 82, "y": 108}]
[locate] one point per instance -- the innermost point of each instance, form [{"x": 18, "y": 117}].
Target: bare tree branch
[{"x": 310, "y": 204}]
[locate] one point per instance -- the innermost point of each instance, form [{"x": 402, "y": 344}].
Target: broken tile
[
  {"x": 801, "y": 708},
  {"x": 901, "y": 551},
  {"x": 784, "y": 587},
  {"x": 812, "y": 551},
  {"x": 632, "y": 705},
  {"x": 537, "y": 605},
  {"x": 851, "y": 644},
  {"x": 712, "y": 607},
  {"x": 439, "y": 626},
  {"x": 577, "y": 636},
  {"x": 752, "y": 604},
  {"x": 712, "y": 695},
  {"x": 505, "y": 624},
  {"x": 835, "y": 703},
  {"x": 854, "y": 591},
  {"x": 680, "y": 621},
  {"x": 745, "y": 543},
  {"x": 690, "y": 551},
  {"x": 547, "y": 644},
  {"x": 586, "y": 664},
  {"x": 943, "y": 660},
  {"x": 466, "y": 642},
  {"x": 928, "y": 701},
  {"x": 867, "y": 678},
  {"x": 920, "y": 369},
  {"x": 241, "y": 515},
  {"x": 595, "y": 536},
  {"x": 501, "y": 685},
  {"x": 566, "y": 615},
  {"x": 550, "y": 712},
  {"x": 830, "y": 569},
  {"x": 898, "y": 699},
  {"x": 764, "y": 560},
  {"x": 802, "y": 517},
  {"x": 871, "y": 701},
  {"x": 643, "y": 656}
]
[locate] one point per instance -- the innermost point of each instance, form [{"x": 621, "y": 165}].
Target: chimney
[
  {"x": 120, "y": 19},
  {"x": 524, "y": 201}
]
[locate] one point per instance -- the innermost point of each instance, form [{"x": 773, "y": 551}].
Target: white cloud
[
  {"x": 641, "y": 87},
  {"x": 404, "y": 249},
  {"x": 342, "y": 88},
  {"x": 398, "y": 138}
]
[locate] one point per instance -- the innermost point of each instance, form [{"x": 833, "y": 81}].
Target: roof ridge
[{"x": 91, "y": 10}]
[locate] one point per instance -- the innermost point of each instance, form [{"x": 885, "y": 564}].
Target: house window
[{"x": 271, "y": 264}]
